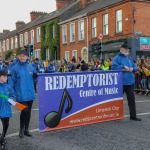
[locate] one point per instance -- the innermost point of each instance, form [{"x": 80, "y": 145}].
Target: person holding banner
[
  {"x": 5, "y": 107},
  {"x": 22, "y": 77},
  {"x": 123, "y": 62}
]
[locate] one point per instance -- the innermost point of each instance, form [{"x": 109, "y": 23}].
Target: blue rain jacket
[
  {"x": 22, "y": 81},
  {"x": 5, "y": 106},
  {"x": 50, "y": 68},
  {"x": 35, "y": 65},
  {"x": 118, "y": 64}
]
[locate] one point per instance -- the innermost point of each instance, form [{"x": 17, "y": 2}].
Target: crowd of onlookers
[
  {"x": 142, "y": 81},
  {"x": 74, "y": 65}
]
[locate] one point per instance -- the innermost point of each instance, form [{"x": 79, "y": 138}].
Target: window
[
  {"x": 72, "y": 32},
  {"x": 67, "y": 55},
  {"x": 105, "y": 24},
  {"x": 53, "y": 31},
  {"x": 74, "y": 53},
  {"x": 32, "y": 36},
  {"x": 4, "y": 45},
  {"x": 21, "y": 40},
  {"x": 26, "y": 38},
  {"x": 37, "y": 53},
  {"x": 81, "y": 30},
  {"x": 94, "y": 34},
  {"x": 7, "y": 44},
  {"x": 12, "y": 43},
  {"x": 16, "y": 42},
  {"x": 118, "y": 21},
  {"x": 64, "y": 34},
  {"x": 38, "y": 39}
]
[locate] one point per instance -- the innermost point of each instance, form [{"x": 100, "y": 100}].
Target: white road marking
[
  {"x": 16, "y": 134},
  {"x": 143, "y": 101},
  {"x": 35, "y": 130},
  {"x": 19, "y": 111}
]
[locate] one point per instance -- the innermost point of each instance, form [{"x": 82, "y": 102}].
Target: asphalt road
[{"x": 113, "y": 135}]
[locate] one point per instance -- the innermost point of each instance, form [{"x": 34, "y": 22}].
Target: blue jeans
[{"x": 143, "y": 84}]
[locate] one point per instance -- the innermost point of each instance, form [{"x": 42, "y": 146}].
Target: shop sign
[{"x": 144, "y": 43}]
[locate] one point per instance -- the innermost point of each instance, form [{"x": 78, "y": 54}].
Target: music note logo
[{"x": 52, "y": 119}]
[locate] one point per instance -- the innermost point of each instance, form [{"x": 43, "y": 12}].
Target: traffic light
[
  {"x": 94, "y": 47},
  {"x": 99, "y": 46},
  {"x": 31, "y": 50}
]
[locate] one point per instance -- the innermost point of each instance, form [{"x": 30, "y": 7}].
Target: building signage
[{"x": 144, "y": 43}]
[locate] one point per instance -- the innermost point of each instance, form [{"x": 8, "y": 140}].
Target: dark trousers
[
  {"x": 5, "y": 122},
  {"x": 129, "y": 90},
  {"x": 35, "y": 87},
  {"x": 26, "y": 115}
]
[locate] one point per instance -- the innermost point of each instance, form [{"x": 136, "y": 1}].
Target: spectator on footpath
[
  {"x": 50, "y": 68},
  {"x": 5, "y": 107},
  {"x": 6, "y": 67},
  {"x": 22, "y": 76},
  {"x": 109, "y": 60},
  {"x": 37, "y": 67},
  {"x": 123, "y": 62},
  {"x": 84, "y": 66},
  {"x": 73, "y": 59},
  {"x": 1, "y": 65}
]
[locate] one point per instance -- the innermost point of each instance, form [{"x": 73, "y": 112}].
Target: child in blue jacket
[
  {"x": 5, "y": 106},
  {"x": 22, "y": 77}
]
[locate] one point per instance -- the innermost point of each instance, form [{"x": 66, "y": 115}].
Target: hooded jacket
[
  {"x": 119, "y": 62},
  {"x": 5, "y": 106},
  {"x": 22, "y": 81}
]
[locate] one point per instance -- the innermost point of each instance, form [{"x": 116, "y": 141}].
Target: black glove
[{"x": 35, "y": 75}]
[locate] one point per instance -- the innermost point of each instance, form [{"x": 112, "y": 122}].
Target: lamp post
[{"x": 101, "y": 38}]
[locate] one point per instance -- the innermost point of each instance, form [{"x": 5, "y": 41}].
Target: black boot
[
  {"x": 27, "y": 133},
  {"x": 3, "y": 144},
  {"x": 0, "y": 139},
  {"x": 21, "y": 133}
]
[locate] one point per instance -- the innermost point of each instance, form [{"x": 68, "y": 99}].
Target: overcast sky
[{"x": 12, "y": 11}]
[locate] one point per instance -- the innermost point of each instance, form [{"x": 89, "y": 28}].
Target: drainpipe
[
  {"x": 87, "y": 37},
  {"x": 133, "y": 21},
  {"x": 134, "y": 39}
]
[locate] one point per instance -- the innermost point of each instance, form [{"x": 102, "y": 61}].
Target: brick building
[{"x": 118, "y": 21}]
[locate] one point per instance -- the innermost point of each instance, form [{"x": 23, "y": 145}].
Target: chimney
[
  {"x": 6, "y": 31},
  {"x": 35, "y": 14},
  {"x": 85, "y": 2},
  {"x": 19, "y": 24},
  {"x": 62, "y": 3}
]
